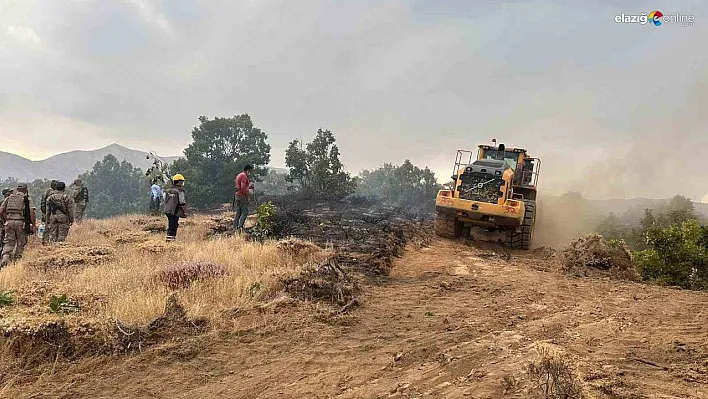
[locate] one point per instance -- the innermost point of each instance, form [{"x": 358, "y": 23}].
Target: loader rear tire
[
  {"x": 447, "y": 226},
  {"x": 524, "y": 238}
]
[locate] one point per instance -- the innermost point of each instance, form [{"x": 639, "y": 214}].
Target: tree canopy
[
  {"x": 35, "y": 188},
  {"x": 633, "y": 228},
  {"x": 115, "y": 188},
  {"x": 274, "y": 183},
  {"x": 220, "y": 149},
  {"x": 317, "y": 169},
  {"x": 404, "y": 184}
]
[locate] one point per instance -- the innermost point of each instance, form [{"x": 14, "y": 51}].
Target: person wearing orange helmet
[{"x": 175, "y": 206}]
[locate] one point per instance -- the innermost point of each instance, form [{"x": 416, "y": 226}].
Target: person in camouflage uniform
[
  {"x": 13, "y": 210},
  {"x": 43, "y": 208},
  {"x": 5, "y": 193},
  {"x": 61, "y": 213},
  {"x": 80, "y": 198}
]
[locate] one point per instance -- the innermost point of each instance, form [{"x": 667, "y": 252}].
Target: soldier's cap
[
  {"x": 5, "y": 191},
  {"x": 22, "y": 186}
]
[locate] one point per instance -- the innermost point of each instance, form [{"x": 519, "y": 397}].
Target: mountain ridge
[{"x": 68, "y": 165}]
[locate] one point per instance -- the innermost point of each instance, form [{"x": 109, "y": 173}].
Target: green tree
[
  {"x": 10, "y": 183},
  {"x": 677, "y": 255},
  {"x": 404, "y": 184},
  {"x": 679, "y": 210},
  {"x": 35, "y": 188},
  {"x": 274, "y": 183},
  {"x": 612, "y": 228},
  {"x": 317, "y": 169},
  {"x": 115, "y": 188},
  {"x": 220, "y": 149},
  {"x": 648, "y": 220}
]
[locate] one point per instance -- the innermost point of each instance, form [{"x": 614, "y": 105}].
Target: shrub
[
  {"x": 677, "y": 255},
  {"x": 62, "y": 304},
  {"x": 182, "y": 275},
  {"x": 6, "y": 298},
  {"x": 552, "y": 378},
  {"x": 265, "y": 224}
]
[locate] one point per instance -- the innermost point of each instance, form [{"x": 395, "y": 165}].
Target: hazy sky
[{"x": 613, "y": 109}]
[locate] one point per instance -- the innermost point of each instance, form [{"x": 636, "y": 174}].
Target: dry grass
[{"x": 123, "y": 285}]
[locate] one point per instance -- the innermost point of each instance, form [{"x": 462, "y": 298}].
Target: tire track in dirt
[{"x": 451, "y": 321}]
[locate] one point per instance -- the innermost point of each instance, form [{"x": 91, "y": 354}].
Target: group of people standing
[
  {"x": 60, "y": 210},
  {"x": 18, "y": 216},
  {"x": 175, "y": 203}
]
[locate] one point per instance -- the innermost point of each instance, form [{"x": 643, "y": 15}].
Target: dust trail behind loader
[{"x": 493, "y": 197}]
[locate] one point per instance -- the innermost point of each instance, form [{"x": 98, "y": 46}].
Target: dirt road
[{"x": 452, "y": 321}]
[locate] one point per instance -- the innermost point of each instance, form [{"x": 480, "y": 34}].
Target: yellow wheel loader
[{"x": 496, "y": 193}]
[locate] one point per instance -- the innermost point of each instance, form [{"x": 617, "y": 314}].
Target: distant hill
[
  {"x": 620, "y": 206},
  {"x": 67, "y": 166}
]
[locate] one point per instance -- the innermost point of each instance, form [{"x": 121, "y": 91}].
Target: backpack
[
  {"x": 54, "y": 205},
  {"x": 82, "y": 195}
]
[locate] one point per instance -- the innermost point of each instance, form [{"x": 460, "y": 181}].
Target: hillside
[
  {"x": 384, "y": 310},
  {"x": 67, "y": 166}
]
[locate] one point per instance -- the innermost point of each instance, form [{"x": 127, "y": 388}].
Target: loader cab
[
  {"x": 525, "y": 167},
  {"x": 511, "y": 158}
]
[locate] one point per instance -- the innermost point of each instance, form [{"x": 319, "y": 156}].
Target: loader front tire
[
  {"x": 447, "y": 226},
  {"x": 524, "y": 238}
]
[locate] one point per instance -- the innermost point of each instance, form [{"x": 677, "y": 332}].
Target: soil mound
[
  {"x": 33, "y": 339},
  {"x": 131, "y": 237},
  {"x": 62, "y": 255},
  {"x": 325, "y": 281},
  {"x": 591, "y": 255},
  {"x": 153, "y": 246},
  {"x": 297, "y": 248},
  {"x": 223, "y": 223},
  {"x": 182, "y": 275},
  {"x": 173, "y": 322}
]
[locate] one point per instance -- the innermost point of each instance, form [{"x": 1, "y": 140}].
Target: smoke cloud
[{"x": 614, "y": 110}]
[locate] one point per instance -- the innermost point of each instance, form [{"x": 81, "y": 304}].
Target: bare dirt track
[{"x": 450, "y": 321}]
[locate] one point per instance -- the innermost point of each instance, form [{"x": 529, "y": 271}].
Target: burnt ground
[
  {"x": 367, "y": 236},
  {"x": 449, "y": 320}
]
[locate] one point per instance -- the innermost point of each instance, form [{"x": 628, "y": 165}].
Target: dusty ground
[{"x": 450, "y": 321}]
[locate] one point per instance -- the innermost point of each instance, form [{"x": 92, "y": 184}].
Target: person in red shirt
[{"x": 243, "y": 194}]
